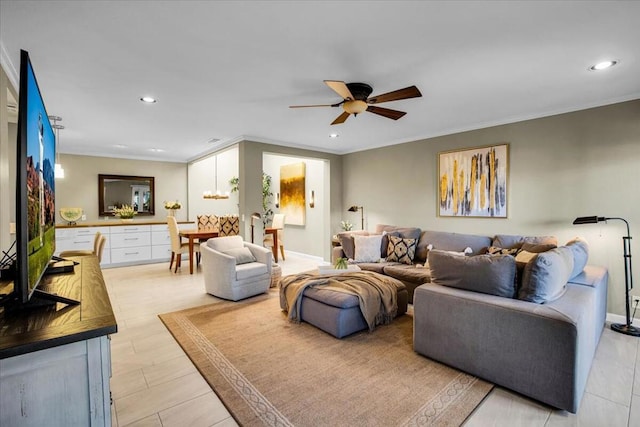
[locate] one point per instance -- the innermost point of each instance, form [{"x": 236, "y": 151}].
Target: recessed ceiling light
[
  {"x": 333, "y": 135},
  {"x": 156, "y": 150},
  {"x": 212, "y": 140},
  {"x": 603, "y": 65},
  {"x": 148, "y": 99},
  {"x": 120, "y": 146}
]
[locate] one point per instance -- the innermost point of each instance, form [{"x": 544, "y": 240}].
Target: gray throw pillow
[
  {"x": 545, "y": 276},
  {"x": 580, "y": 249},
  {"x": 348, "y": 245},
  {"x": 487, "y": 274},
  {"x": 242, "y": 255}
]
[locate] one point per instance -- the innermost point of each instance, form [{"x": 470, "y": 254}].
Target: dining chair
[
  {"x": 207, "y": 222},
  {"x": 277, "y": 222},
  {"x": 98, "y": 246},
  {"x": 229, "y": 225},
  {"x": 178, "y": 247}
]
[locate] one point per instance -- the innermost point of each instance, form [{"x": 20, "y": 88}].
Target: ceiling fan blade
[
  {"x": 385, "y": 112},
  {"x": 317, "y": 105},
  {"x": 340, "y": 88},
  {"x": 341, "y": 118},
  {"x": 407, "y": 92}
]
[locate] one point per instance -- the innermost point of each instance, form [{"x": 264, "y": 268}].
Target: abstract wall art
[
  {"x": 473, "y": 182},
  {"x": 292, "y": 193}
]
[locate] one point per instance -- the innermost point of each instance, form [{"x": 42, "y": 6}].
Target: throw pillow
[
  {"x": 465, "y": 252},
  {"x": 546, "y": 275},
  {"x": 367, "y": 248},
  {"x": 487, "y": 274},
  {"x": 242, "y": 255},
  {"x": 494, "y": 250},
  {"x": 348, "y": 245},
  {"x": 580, "y": 249},
  {"x": 401, "y": 250},
  {"x": 538, "y": 247}
]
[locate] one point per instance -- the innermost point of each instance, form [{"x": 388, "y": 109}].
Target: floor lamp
[
  {"x": 254, "y": 216},
  {"x": 627, "y": 328},
  {"x": 356, "y": 209}
]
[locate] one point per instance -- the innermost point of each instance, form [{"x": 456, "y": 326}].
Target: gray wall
[
  {"x": 561, "y": 167},
  {"x": 79, "y": 188}
]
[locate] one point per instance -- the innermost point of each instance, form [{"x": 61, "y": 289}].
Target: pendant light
[
  {"x": 58, "y": 169},
  {"x": 218, "y": 194}
]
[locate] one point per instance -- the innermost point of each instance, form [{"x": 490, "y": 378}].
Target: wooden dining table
[
  {"x": 274, "y": 233},
  {"x": 192, "y": 235}
]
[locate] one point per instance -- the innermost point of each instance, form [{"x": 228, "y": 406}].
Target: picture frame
[
  {"x": 473, "y": 182},
  {"x": 292, "y": 193}
]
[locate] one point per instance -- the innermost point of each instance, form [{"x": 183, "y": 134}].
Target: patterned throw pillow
[
  {"x": 494, "y": 250},
  {"x": 229, "y": 225},
  {"x": 401, "y": 250}
]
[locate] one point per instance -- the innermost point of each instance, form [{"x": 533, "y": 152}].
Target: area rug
[{"x": 270, "y": 372}]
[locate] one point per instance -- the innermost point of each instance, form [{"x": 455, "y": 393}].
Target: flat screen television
[{"x": 35, "y": 191}]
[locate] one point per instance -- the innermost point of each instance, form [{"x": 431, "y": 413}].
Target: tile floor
[{"x": 155, "y": 384}]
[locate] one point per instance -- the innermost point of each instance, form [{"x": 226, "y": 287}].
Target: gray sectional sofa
[{"x": 536, "y": 335}]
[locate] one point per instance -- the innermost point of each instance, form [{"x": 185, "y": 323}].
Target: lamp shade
[
  {"x": 588, "y": 219},
  {"x": 353, "y": 209}
]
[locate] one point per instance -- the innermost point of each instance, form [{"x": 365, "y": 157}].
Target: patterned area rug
[{"x": 270, "y": 372}]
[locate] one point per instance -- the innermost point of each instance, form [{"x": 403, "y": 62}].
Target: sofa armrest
[
  {"x": 261, "y": 254},
  {"x": 541, "y": 350},
  {"x": 336, "y": 252}
]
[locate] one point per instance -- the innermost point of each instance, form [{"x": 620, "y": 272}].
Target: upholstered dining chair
[
  {"x": 234, "y": 269},
  {"x": 228, "y": 225},
  {"x": 177, "y": 246},
  {"x": 98, "y": 247},
  {"x": 207, "y": 222},
  {"x": 277, "y": 222}
]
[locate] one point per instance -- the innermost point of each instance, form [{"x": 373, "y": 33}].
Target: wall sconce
[
  {"x": 277, "y": 200},
  {"x": 312, "y": 201},
  {"x": 355, "y": 208}
]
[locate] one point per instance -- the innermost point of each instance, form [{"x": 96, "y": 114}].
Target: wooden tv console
[{"x": 55, "y": 361}]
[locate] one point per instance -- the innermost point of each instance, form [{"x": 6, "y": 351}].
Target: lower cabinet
[
  {"x": 126, "y": 244},
  {"x": 66, "y": 385}
]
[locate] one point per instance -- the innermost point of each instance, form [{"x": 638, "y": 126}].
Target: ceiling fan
[{"x": 355, "y": 100}]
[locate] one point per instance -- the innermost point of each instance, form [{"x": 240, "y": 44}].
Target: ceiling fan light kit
[{"x": 355, "y": 100}]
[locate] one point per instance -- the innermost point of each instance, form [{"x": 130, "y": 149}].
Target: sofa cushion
[
  {"x": 367, "y": 248},
  {"x": 509, "y": 241},
  {"x": 408, "y": 273},
  {"x": 242, "y": 255},
  {"x": 487, "y": 274},
  {"x": 537, "y": 248},
  {"x": 545, "y": 276},
  {"x": 401, "y": 250},
  {"x": 346, "y": 241},
  {"x": 449, "y": 242},
  {"x": 251, "y": 270},
  {"x": 376, "y": 267},
  {"x": 580, "y": 249}
]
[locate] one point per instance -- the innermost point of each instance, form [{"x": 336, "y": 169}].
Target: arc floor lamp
[{"x": 627, "y": 328}]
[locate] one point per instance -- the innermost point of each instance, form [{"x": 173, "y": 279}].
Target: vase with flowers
[
  {"x": 125, "y": 213},
  {"x": 172, "y": 206}
]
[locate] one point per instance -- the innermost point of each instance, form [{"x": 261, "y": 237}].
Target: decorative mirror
[{"x": 114, "y": 191}]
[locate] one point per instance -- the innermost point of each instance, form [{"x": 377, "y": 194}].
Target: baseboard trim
[
  {"x": 616, "y": 318},
  {"x": 307, "y": 256}
]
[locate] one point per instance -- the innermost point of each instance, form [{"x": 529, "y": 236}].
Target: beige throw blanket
[{"x": 377, "y": 294}]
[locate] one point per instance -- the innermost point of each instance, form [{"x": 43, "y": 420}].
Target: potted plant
[
  {"x": 172, "y": 206},
  {"x": 346, "y": 225},
  {"x": 125, "y": 213}
]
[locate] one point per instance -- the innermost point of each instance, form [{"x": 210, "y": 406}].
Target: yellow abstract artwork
[
  {"x": 292, "y": 193},
  {"x": 473, "y": 182}
]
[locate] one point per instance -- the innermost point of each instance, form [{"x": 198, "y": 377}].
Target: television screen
[{"x": 35, "y": 195}]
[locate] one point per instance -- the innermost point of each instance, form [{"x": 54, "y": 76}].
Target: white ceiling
[{"x": 229, "y": 70}]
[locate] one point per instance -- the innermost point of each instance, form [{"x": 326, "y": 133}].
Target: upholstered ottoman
[{"x": 338, "y": 313}]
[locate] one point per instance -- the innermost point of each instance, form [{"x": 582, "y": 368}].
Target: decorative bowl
[{"x": 71, "y": 215}]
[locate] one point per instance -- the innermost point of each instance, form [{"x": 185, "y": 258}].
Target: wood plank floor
[{"x": 155, "y": 384}]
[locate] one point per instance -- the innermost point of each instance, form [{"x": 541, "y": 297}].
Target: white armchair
[{"x": 231, "y": 272}]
